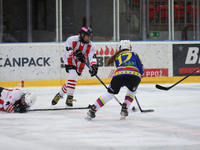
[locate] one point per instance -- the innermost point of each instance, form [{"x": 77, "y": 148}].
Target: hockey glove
[
  {"x": 93, "y": 71},
  {"x": 19, "y": 108},
  {"x": 79, "y": 56}
]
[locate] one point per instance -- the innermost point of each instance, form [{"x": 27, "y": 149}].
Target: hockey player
[
  {"x": 78, "y": 49},
  {"x": 129, "y": 70},
  {"x": 14, "y": 100}
]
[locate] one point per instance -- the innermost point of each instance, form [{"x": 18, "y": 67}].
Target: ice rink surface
[{"x": 174, "y": 124}]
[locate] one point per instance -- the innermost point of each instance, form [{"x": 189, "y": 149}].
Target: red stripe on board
[
  {"x": 22, "y": 83},
  {"x": 111, "y": 73},
  {"x": 160, "y": 72},
  {"x": 188, "y": 70}
]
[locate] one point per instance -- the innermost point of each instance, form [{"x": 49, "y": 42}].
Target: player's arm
[
  {"x": 140, "y": 65},
  {"x": 69, "y": 47},
  {"x": 19, "y": 108},
  {"x": 93, "y": 61},
  {"x": 9, "y": 104}
]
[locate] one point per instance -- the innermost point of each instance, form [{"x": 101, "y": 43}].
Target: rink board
[{"x": 40, "y": 64}]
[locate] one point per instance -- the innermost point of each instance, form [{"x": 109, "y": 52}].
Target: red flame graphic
[
  {"x": 112, "y": 51},
  {"x": 101, "y": 52},
  {"x": 107, "y": 51}
]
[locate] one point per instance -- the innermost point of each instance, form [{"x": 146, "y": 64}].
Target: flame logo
[
  {"x": 101, "y": 52},
  {"x": 107, "y": 51},
  {"x": 112, "y": 51}
]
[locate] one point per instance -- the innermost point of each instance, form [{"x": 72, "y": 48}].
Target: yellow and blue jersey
[{"x": 129, "y": 63}]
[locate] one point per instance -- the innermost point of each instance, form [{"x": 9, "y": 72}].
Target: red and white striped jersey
[
  {"x": 71, "y": 45},
  {"x": 8, "y": 98}
]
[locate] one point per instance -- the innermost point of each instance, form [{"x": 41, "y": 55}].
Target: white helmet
[
  {"x": 30, "y": 98},
  {"x": 125, "y": 44}
]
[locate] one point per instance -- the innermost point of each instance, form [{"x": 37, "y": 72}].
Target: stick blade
[
  {"x": 162, "y": 87},
  {"x": 148, "y": 110}
]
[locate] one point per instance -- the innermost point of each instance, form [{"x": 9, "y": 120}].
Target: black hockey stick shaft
[
  {"x": 141, "y": 110},
  {"x": 104, "y": 84},
  {"x": 49, "y": 109},
  {"x": 167, "y": 88}
]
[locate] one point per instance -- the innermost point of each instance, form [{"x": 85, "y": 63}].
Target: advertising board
[{"x": 186, "y": 59}]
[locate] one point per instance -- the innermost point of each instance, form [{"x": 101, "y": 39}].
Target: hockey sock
[
  {"x": 103, "y": 99},
  {"x": 70, "y": 84},
  {"x": 129, "y": 97},
  {"x": 63, "y": 90}
]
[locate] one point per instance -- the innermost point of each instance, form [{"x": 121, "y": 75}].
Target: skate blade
[
  {"x": 88, "y": 118},
  {"x": 122, "y": 117}
]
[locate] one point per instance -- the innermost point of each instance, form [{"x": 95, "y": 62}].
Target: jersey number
[{"x": 129, "y": 55}]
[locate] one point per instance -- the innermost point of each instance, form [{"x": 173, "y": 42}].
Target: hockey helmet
[
  {"x": 29, "y": 98},
  {"x": 125, "y": 44},
  {"x": 85, "y": 31}
]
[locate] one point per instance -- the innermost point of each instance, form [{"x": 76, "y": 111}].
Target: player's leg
[
  {"x": 100, "y": 102},
  {"x": 113, "y": 89},
  {"x": 131, "y": 82},
  {"x": 129, "y": 97},
  {"x": 70, "y": 87}
]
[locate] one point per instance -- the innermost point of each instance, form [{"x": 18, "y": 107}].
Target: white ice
[{"x": 174, "y": 124}]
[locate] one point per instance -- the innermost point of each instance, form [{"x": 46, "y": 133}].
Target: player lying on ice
[
  {"x": 14, "y": 100},
  {"x": 129, "y": 70},
  {"x": 78, "y": 49}
]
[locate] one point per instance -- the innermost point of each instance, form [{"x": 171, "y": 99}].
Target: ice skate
[
  {"x": 124, "y": 111},
  {"x": 91, "y": 113},
  {"x": 56, "y": 99},
  {"x": 69, "y": 100},
  {"x": 122, "y": 117}
]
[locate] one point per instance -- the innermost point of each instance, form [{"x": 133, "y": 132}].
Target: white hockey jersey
[
  {"x": 71, "y": 45},
  {"x": 8, "y": 98}
]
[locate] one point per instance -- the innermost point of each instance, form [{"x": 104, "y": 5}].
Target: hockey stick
[
  {"x": 115, "y": 97},
  {"x": 49, "y": 109},
  {"x": 104, "y": 84},
  {"x": 141, "y": 110},
  {"x": 167, "y": 88}
]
